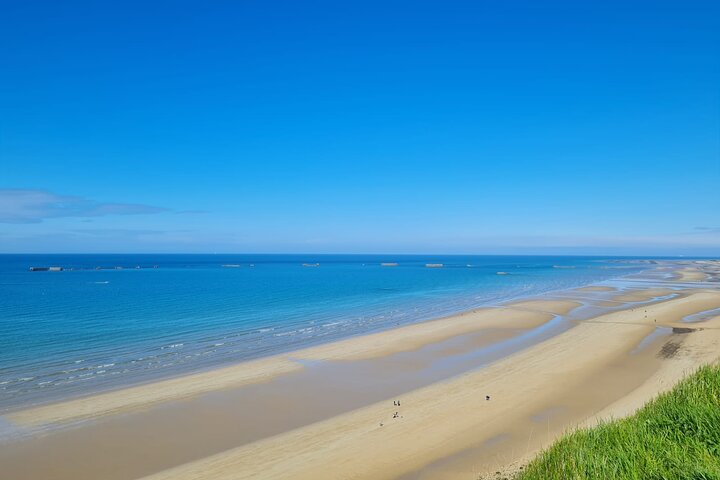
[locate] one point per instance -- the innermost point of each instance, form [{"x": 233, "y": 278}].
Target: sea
[{"x": 100, "y": 322}]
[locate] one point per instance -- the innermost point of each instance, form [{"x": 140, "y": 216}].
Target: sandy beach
[
  {"x": 360, "y": 241},
  {"x": 547, "y": 364}
]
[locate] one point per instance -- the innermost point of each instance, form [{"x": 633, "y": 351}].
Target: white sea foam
[{"x": 283, "y": 334}]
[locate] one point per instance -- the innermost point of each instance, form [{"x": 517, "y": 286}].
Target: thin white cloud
[{"x": 34, "y": 206}]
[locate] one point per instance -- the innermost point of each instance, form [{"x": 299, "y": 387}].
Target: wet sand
[
  {"x": 547, "y": 364},
  {"x": 595, "y": 288},
  {"x": 529, "y": 314},
  {"x": 587, "y": 368}
]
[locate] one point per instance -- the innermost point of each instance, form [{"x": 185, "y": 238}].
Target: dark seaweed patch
[{"x": 669, "y": 350}]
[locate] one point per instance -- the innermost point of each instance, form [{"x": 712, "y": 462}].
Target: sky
[{"x": 360, "y": 127}]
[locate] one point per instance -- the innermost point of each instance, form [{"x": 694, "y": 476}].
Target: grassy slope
[{"x": 675, "y": 436}]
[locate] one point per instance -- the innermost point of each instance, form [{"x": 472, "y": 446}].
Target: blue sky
[{"x": 444, "y": 127}]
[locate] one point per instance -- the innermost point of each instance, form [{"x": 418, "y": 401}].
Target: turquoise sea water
[{"x": 86, "y": 328}]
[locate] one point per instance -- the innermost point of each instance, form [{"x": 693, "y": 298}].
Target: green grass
[{"x": 675, "y": 436}]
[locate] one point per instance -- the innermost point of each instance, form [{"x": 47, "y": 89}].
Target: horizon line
[{"x": 369, "y": 253}]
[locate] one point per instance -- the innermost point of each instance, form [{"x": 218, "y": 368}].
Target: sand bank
[
  {"x": 690, "y": 275},
  {"x": 441, "y": 420},
  {"x": 528, "y": 314},
  {"x": 595, "y": 288}
]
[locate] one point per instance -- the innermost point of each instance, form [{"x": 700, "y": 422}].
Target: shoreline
[
  {"x": 384, "y": 342},
  {"x": 281, "y": 367},
  {"x": 583, "y": 338}
]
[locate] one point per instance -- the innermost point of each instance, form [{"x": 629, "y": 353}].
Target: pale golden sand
[
  {"x": 443, "y": 419},
  {"x": 695, "y": 348},
  {"x": 690, "y": 275},
  {"x": 526, "y": 314}
]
